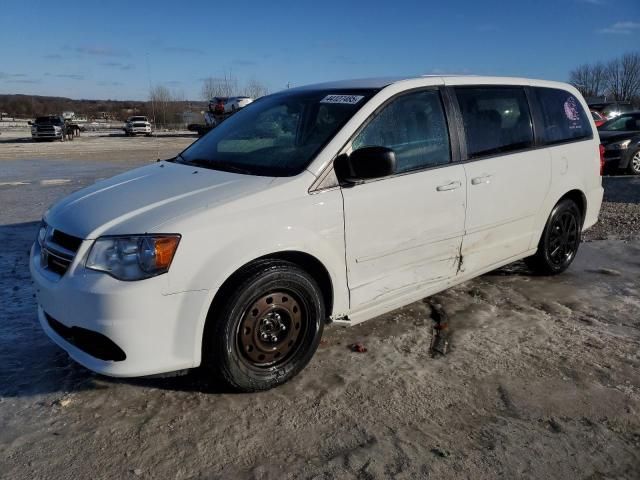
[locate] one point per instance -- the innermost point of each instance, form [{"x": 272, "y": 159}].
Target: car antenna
[{"x": 153, "y": 109}]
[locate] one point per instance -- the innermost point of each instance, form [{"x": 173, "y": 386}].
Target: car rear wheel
[
  {"x": 634, "y": 163},
  {"x": 560, "y": 240},
  {"x": 268, "y": 328}
]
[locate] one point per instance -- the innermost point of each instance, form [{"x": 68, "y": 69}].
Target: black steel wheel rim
[
  {"x": 564, "y": 237},
  {"x": 272, "y": 329}
]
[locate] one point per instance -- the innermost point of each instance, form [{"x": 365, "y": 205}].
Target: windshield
[
  {"x": 622, "y": 123},
  {"x": 48, "y": 121},
  {"x": 277, "y": 135},
  {"x": 138, "y": 119}
]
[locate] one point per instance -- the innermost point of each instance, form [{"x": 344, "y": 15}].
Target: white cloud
[{"x": 621, "y": 28}]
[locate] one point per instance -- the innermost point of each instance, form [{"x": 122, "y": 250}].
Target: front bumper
[
  {"x": 157, "y": 332},
  {"x": 46, "y": 135},
  {"x": 134, "y": 131}
]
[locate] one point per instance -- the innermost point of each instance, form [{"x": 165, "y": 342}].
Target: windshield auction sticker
[{"x": 347, "y": 99}]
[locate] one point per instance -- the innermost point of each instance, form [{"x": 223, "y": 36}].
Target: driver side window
[{"x": 414, "y": 127}]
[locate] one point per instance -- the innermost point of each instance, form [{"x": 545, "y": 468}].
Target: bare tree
[
  {"x": 255, "y": 89},
  {"x": 623, "y": 77},
  {"x": 589, "y": 79},
  {"x": 226, "y": 86},
  {"x": 160, "y": 97},
  {"x": 167, "y": 106}
]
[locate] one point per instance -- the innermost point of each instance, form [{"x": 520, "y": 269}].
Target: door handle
[
  {"x": 449, "y": 186},
  {"x": 480, "y": 180}
]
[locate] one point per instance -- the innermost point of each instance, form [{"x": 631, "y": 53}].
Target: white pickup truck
[{"x": 137, "y": 125}]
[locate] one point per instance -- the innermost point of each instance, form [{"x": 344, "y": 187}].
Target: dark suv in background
[{"x": 620, "y": 137}]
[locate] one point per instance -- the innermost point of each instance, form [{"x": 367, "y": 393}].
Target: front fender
[{"x": 218, "y": 245}]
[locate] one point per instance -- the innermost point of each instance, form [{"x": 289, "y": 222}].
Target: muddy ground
[{"x": 542, "y": 379}]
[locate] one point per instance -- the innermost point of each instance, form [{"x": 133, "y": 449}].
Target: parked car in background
[
  {"x": 236, "y": 103},
  {"x": 332, "y": 202},
  {"x": 138, "y": 125},
  {"x": 49, "y": 126},
  {"x": 621, "y": 140},
  {"x": 598, "y": 119},
  {"x": 611, "y": 110},
  {"x": 217, "y": 105}
]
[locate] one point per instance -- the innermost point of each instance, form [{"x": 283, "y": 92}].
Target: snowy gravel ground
[
  {"x": 620, "y": 213},
  {"x": 542, "y": 379}
]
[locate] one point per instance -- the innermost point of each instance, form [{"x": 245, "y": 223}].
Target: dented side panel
[
  {"x": 401, "y": 232},
  {"x": 503, "y": 206}
]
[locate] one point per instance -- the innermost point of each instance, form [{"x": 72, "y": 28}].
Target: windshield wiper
[{"x": 215, "y": 165}]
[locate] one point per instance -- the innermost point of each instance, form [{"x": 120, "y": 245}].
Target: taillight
[{"x": 601, "y": 159}]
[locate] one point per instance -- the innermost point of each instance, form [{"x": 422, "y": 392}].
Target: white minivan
[{"x": 332, "y": 202}]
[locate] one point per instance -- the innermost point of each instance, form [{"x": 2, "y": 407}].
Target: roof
[{"x": 381, "y": 82}]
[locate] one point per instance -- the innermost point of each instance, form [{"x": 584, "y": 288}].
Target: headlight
[
  {"x": 42, "y": 233},
  {"x": 57, "y": 128},
  {"x": 619, "y": 145},
  {"x": 133, "y": 257}
]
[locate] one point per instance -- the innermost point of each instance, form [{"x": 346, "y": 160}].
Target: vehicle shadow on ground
[
  {"x": 195, "y": 380},
  {"x": 518, "y": 269},
  {"x": 25, "y": 140}
]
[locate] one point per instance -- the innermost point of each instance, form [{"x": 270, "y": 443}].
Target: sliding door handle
[
  {"x": 449, "y": 186},
  {"x": 480, "y": 180}
]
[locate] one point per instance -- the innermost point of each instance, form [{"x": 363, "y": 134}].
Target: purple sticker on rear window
[{"x": 571, "y": 109}]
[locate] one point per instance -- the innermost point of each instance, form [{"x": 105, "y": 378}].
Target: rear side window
[
  {"x": 414, "y": 127},
  {"x": 496, "y": 119},
  {"x": 563, "y": 117}
]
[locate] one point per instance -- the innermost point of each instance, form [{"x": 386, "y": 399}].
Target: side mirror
[
  {"x": 364, "y": 164},
  {"x": 30, "y": 122}
]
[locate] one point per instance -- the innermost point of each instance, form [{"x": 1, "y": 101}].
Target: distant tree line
[
  {"x": 228, "y": 86},
  {"x": 165, "y": 106},
  {"x": 29, "y": 106},
  {"x": 617, "y": 79}
]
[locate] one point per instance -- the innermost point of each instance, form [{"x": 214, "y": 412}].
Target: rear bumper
[{"x": 594, "y": 203}]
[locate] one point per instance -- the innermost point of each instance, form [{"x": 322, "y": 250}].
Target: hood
[
  {"x": 137, "y": 201},
  {"x": 607, "y": 137}
]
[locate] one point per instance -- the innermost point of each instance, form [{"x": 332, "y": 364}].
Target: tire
[
  {"x": 634, "y": 163},
  {"x": 560, "y": 240},
  {"x": 267, "y": 329}
]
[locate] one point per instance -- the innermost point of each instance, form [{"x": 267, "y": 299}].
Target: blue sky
[{"x": 115, "y": 49}]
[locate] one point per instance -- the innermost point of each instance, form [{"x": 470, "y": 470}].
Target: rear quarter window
[{"x": 564, "y": 119}]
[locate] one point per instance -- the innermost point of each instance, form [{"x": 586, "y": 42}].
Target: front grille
[
  {"x": 46, "y": 129},
  {"x": 67, "y": 241},
  {"x": 58, "y": 251},
  {"x": 139, "y": 125},
  {"x": 93, "y": 343}
]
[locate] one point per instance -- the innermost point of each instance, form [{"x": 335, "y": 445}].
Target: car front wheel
[
  {"x": 267, "y": 329},
  {"x": 560, "y": 240}
]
